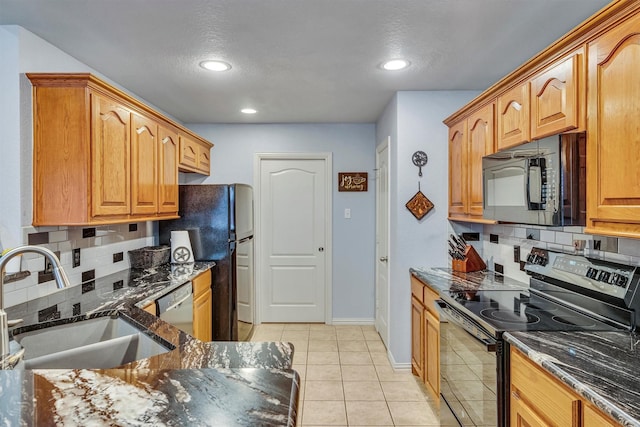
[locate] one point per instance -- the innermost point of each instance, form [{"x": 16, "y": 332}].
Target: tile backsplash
[
  {"x": 95, "y": 251},
  {"x": 497, "y": 243}
]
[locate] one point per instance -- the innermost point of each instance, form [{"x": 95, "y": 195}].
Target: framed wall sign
[{"x": 352, "y": 181}]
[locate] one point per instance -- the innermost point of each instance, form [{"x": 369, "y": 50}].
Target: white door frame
[
  {"x": 385, "y": 143},
  {"x": 328, "y": 247}
]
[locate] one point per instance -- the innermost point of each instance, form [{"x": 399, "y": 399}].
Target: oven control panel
[{"x": 602, "y": 276}]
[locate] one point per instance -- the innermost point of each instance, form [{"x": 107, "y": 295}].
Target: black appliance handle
[
  {"x": 488, "y": 341},
  {"x": 538, "y": 165}
]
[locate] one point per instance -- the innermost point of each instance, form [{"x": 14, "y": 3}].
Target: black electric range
[{"x": 567, "y": 292}]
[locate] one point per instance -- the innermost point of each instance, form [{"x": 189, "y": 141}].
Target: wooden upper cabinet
[
  {"x": 457, "y": 168},
  {"x": 168, "y": 152},
  {"x": 481, "y": 143},
  {"x": 613, "y": 140},
  {"x": 110, "y": 147},
  {"x": 555, "y": 98},
  {"x": 144, "y": 163},
  {"x": 469, "y": 141},
  {"x": 101, "y": 156},
  {"x": 513, "y": 117},
  {"x": 194, "y": 156}
]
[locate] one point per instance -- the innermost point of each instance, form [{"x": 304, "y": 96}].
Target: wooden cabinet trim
[{"x": 90, "y": 81}]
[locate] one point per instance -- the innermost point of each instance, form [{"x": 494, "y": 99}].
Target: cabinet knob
[{"x": 320, "y": 249}]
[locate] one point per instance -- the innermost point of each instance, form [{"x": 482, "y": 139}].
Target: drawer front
[
  {"x": 417, "y": 289},
  {"x": 545, "y": 395},
  {"x": 430, "y": 298},
  {"x": 201, "y": 283}
]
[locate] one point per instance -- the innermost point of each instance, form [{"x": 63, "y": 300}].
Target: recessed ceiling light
[
  {"x": 215, "y": 65},
  {"x": 248, "y": 111},
  {"x": 395, "y": 64}
]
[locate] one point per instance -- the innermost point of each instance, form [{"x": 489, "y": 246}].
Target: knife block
[{"x": 471, "y": 262}]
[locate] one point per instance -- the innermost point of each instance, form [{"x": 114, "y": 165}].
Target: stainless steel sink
[{"x": 98, "y": 343}]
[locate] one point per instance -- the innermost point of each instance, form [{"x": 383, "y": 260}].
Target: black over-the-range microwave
[{"x": 540, "y": 182}]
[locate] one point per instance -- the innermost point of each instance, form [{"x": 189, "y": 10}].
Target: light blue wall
[
  {"x": 414, "y": 122},
  {"x": 353, "y": 148},
  {"x": 9, "y": 137}
]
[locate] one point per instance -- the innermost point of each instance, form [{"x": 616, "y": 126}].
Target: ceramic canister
[{"x": 181, "y": 251}]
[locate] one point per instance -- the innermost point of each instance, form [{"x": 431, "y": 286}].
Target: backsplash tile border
[
  {"x": 626, "y": 251},
  {"x": 96, "y": 254}
]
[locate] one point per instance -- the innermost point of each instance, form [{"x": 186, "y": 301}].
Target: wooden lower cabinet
[
  {"x": 432, "y": 353},
  {"x": 425, "y": 336},
  {"x": 539, "y": 399},
  {"x": 151, "y": 308},
  {"x": 417, "y": 337},
  {"x": 202, "y": 307},
  {"x": 524, "y": 416},
  {"x": 592, "y": 417}
]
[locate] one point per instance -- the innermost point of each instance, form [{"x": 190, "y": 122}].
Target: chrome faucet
[{"x": 58, "y": 273}]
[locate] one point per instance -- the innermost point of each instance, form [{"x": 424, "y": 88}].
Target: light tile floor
[{"x": 347, "y": 380}]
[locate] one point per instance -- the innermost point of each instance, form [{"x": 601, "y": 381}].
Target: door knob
[
  {"x": 384, "y": 259},
  {"x": 321, "y": 249}
]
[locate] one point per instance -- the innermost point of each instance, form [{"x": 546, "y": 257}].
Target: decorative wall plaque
[
  {"x": 352, "y": 181},
  {"x": 419, "y": 205}
]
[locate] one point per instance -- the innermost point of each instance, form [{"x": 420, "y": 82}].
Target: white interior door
[
  {"x": 382, "y": 241},
  {"x": 293, "y": 239}
]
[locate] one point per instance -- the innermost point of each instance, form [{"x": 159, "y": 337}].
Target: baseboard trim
[
  {"x": 396, "y": 365},
  {"x": 355, "y": 322}
]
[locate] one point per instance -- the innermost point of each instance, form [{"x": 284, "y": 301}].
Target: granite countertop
[
  {"x": 446, "y": 279},
  {"x": 197, "y": 383},
  {"x": 602, "y": 367}
]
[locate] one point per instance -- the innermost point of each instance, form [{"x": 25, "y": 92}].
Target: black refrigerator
[{"x": 219, "y": 219}]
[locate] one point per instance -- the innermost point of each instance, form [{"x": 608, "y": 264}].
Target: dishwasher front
[{"x": 176, "y": 307}]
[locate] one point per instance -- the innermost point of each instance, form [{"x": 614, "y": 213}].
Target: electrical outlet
[
  {"x": 117, "y": 257},
  {"x": 533, "y": 234},
  {"x": 88, "y": 232},
  {"x": 516, "y": 253},
  {"x": 48, "y": 267},
  {"x": 471, "y": 237},
  {"x": 493, "y": 238},
  {"x": 499, "y": 268},
  {"x": 133, "y": 227},
  {"x": 76, "y": 257}
]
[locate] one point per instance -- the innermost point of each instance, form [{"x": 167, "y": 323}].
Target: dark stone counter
[
  {"x": 197, "y": 383},
  {"x": 445, "y": 279},
  {"x": 602, "y": 367}
]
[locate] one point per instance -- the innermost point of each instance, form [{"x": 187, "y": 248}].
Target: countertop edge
[{"x": 547, "y": 362}]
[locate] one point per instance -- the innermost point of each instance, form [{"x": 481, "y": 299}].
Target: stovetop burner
[
  {"x": 570, "y": 320},
  {"x": 509, "y": 316}
]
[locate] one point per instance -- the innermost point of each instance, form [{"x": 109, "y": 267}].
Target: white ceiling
[{"x": 296, "y": 60}]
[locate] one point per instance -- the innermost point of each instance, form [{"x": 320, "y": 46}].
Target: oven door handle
[{"x": 488, "y": 342}]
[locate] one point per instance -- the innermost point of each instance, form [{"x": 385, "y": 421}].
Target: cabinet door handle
[
  {"x": 320, "y": 249},
  {"x": 384, "y": 259}
]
